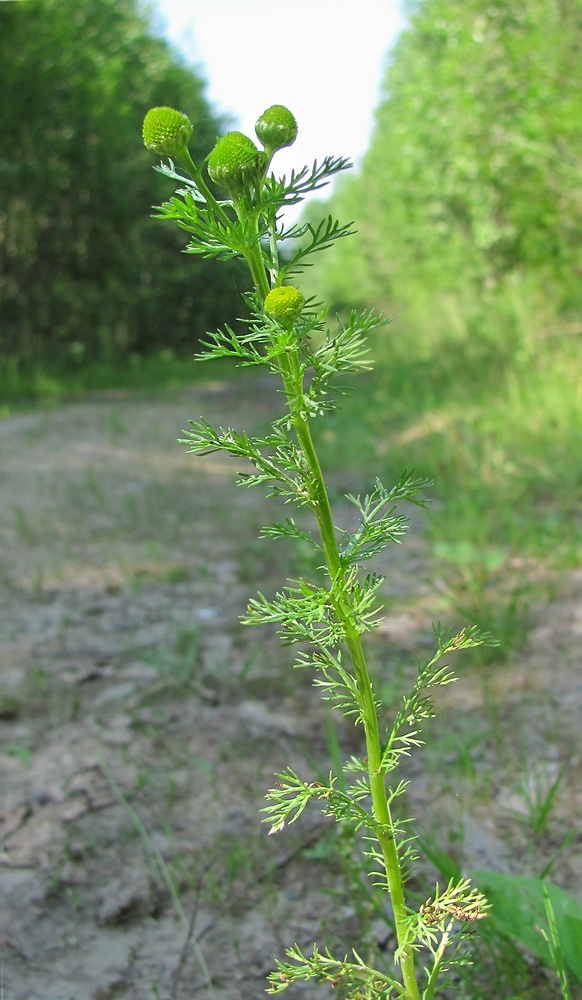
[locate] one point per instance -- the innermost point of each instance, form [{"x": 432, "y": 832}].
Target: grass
[
  {"x": 485, "y": 401},
  {"x": 482, "y": 399},
  {"x": 490, "y": 589},
  {"x": 177, "y": 664},
  {"x": 51, "y": 382},
  {"x": 488, "y": 407}
]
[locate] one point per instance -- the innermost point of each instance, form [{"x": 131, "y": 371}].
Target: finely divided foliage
[{"x": 291, "y": 338}]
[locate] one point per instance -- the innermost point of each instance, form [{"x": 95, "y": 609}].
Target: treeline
[
  {"x": 85, "y": 272},
  {"x": 468, "y": 208},
  {"x": 472, "y": 185}
]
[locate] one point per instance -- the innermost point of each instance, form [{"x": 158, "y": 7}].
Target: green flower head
[
  {"x": 166, "y": 131},
  {"x": 276, "y": 128},
  {"x": 284, "y": 305},
  {"x": 235, "y": 162}
]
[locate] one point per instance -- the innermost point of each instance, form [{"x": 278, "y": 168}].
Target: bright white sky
[{"x": 323, "y": 59}]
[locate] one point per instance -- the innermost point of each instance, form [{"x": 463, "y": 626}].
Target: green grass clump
[
  {"x": 489, "y": 407},
  {"x": 49, "y": 383}
]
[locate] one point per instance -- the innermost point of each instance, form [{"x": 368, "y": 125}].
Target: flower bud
[
  {"x": 284, "y": 305},
  {"x": 234, "y": 162},
  {"x": 276, "y": 128},
  {"x": 166, "y": 131}
]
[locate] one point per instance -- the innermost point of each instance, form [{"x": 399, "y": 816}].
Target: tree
[
  {"x": 82, "y": 273},
  {"x": 473, "y": 175}
]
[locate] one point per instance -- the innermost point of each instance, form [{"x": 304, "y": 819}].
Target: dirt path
[{"x": 141, "y": 725}]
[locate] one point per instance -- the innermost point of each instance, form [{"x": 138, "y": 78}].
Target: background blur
[
  {"x": 466, "y": 195},
  {"x": 125, "y": 564}
]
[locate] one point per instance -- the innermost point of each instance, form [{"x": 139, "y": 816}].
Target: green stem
[
  {"x": 385, "y": 833},
  {"x": 381, "y": 810},
  {"x": 432, "y": 980},
  {"x": 273, "y": 248},
  {"x": 252, "y": 252},
  {"x": 196, "y": 175},
  {"x": 254, "y": 259},
  {"x": 293, "y": 382}
]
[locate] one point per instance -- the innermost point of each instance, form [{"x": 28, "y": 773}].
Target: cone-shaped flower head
[
  {"x": 166, "y": 132},
  {"x": 284, "y": 305},
  {"x": 235, "y": 162},
  {"x": 276, "y": 128}
]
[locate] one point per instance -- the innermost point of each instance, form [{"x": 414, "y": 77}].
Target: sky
[{"x": 323, "y": 59}]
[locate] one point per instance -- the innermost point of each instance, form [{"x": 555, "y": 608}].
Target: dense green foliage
[
  {"x": 474, "y": 171},
  {"x": 468, "y": 213},
  {"x": 85, "y": 272}
]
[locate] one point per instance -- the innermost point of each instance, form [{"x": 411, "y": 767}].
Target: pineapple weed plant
[{"x": 288, "y": 335}]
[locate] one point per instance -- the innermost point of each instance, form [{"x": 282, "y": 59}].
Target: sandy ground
[{"x": 141, "y": 724}]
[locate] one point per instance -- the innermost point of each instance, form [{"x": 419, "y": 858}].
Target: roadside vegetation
[
  {"x": 85, "y": 285},
  {"x": 468, "y": 212},
  {"x": 468, "y": 218}
]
